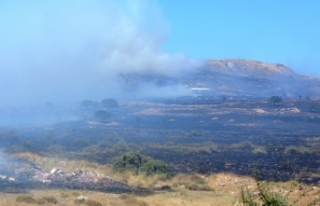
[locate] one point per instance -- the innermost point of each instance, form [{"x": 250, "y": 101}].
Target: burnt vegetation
[{"x": 184, "y": 135}]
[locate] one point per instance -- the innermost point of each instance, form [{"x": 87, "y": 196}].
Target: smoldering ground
[{"x": 70, "y": 50}]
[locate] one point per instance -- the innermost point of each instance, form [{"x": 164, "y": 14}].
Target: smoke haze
[{"x": 71, "y": 50}]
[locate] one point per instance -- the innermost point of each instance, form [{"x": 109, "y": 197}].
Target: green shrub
[
  {"x": 152, "y": 167},
  {"x": 267, "y": 198},
  {"x": 247, "y": 198},
  {"x": 133, "y": 161},
  {"x": 271, "y": 198}
]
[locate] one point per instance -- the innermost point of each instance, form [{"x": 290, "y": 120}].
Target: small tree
[
  {"x": 136, "y": 162},
  {"x": 109, "y": 103},
  {"x": 275, "y": 100},
  {"x": 102, "y": 115},
  {"x": 86, "y": 103}
]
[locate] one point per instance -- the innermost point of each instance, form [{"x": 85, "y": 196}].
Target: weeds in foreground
[
  {"x": 269, "y": 198},
  {"x": 247, "y": 197}
]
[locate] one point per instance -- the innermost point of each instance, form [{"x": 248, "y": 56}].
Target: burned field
[{"x": 192, "y": 135}]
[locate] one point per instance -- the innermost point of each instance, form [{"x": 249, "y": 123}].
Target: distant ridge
[
  {"x": 232, "y": 77},
  {"x": 248, "y": 68}
]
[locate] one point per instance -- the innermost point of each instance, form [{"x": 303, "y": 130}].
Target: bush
[
  {"x": 26, "y": 199},
  {"x": 267, "y": 198},
  {"x": 86, "y": 103},
  {"x": 275, "y": 99},
  {"x": 52, "y": 200},
  {"x": 102, "y": 115},
  {"x": 247, "y": 198},
  {"x": 109, "y": 103},
  {"x": 137, "y": 163},
  {"x": 152, "y": 167}
]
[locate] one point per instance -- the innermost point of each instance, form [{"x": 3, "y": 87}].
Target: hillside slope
[
  {"x": 233, "y": 77},
  {"x": 248, "y": 68}
]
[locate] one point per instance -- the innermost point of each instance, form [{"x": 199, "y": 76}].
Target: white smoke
[{"x": 68, "y": 50}]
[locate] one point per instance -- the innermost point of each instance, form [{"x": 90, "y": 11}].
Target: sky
[
  {"x": 285, "y": 31},
  {"x": 75, "y": 49}
]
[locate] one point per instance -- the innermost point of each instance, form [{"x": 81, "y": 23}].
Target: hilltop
[
  {"x": 248, "y": 68},
  {"x": 233, "y": 77}
]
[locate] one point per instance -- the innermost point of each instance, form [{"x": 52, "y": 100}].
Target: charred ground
[
  {"x": 191, "y": 134},
  {"x": 225, "y": 131}
]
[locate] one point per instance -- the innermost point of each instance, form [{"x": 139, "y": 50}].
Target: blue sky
[
  {"x": 72, "y": 49},
  {"x": 283, "y": 31}
]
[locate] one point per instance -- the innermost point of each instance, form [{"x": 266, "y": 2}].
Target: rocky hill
[
  {"x": 234, "y": 77},
  {"x": 248, "y": 68}
]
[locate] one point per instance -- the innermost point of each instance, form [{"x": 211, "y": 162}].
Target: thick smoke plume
[{"x": 69, "y": 50}]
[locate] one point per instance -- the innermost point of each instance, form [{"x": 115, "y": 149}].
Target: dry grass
[
  {"x": 227, "y": 194},
  {"x": 47, "y": 163},
  {"x": 224, "y": 188}
]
